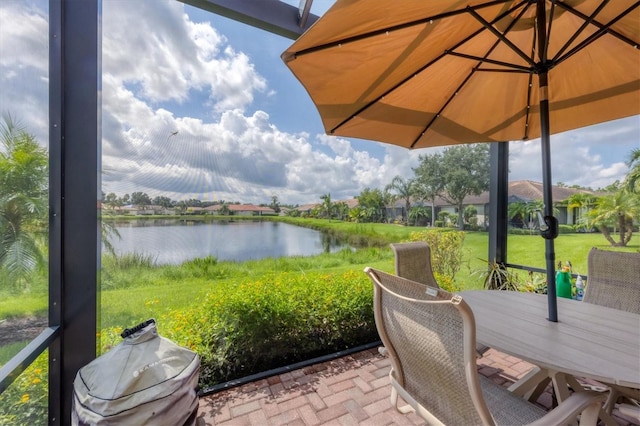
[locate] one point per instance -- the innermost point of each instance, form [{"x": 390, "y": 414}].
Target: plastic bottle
[
  {"x": 579, "y": 288},
  {"x": 563, "y": 284}
]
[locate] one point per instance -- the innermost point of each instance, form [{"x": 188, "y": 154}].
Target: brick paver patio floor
[{"x": 352, "y": 390}]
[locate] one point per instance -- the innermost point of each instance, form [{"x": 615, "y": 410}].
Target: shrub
[
  {"x": 566, "y": 229},
  {"x": 446, "y": 283},
  {"x": 446, "y": 250},
  {"x": 471, "y": 227},
  {"x": 282, "y": 319},
  {"x": 518, "y": 231},
  {"x": 25, "y": 401}
]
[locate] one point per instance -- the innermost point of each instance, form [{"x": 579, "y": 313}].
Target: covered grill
[{"x": 145, "y": 380}]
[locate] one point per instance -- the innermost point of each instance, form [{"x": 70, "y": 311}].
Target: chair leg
[
  {"x": 590, "y": 415},
  {"x": 610, "y": 403},
  {"x": 405, "y": 409}
]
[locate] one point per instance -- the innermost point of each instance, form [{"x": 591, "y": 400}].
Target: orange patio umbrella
[{"x": 425, "y": 73}]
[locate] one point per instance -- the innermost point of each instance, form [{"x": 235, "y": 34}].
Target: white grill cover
[{"x": 145, "y": 380}]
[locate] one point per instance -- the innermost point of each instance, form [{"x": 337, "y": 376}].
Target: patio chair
[
  {"x": 614, "y": 281},
  {"x": 430, "y": 337},
  {"x": 413, "y": 262}
]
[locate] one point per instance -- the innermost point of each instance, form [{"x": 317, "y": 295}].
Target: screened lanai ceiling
[{"x": 288, "y": 18}]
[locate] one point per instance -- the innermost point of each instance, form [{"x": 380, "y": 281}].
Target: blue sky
[{"x": 246, "y": 129}]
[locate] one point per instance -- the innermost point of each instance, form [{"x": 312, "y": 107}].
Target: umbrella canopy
[{"x": 419, "y": 73}]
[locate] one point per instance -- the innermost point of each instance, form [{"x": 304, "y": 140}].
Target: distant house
[
  {"x": 195, "y": 210},
  {"x": 306, "y": 208},
  {"x": 351, "y": 202},
  {"x": 521, "y": 191},
  {"x": 242, "y": 210},
  {"x": 138, "y": 210}
]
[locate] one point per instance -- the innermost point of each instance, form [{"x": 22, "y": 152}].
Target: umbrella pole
[
  {"x": 550, "y": 254},
  {"x": 546, "y": 157}
]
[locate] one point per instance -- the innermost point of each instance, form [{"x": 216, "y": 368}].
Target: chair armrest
[{"x": 587, "y": 403}]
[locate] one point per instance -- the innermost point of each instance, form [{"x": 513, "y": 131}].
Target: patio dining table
[{"x": 588, "y": 341}]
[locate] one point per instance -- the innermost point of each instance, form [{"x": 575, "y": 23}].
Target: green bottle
[{"x": 563, "y": 284}]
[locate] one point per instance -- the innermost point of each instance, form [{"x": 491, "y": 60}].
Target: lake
[{"x": 175, "y": 241}]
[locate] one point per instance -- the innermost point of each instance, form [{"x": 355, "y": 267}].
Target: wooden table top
[{"x": 587, "y": 341}]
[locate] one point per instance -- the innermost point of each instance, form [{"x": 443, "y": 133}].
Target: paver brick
[
  {"x": 332, "y": 413},
  {"x": 356, "y": 410},
  {"x": 316, "y": 401},
  {"x": 340, "y": 397},
  {"x": 290, "y": 404},
  {"x": 245, "y": 408},
  {"x": 308, "y": 414},
  {"x": 343, "y": 385},
  {"x": 290, "y": 417},
  {"x": 347, "y": 391},
  {"x": 363, "y": 384}
]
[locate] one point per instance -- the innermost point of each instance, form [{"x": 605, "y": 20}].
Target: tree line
[
  {"x": 461, "y": 171},
  {"x": 452, "y": 175}
]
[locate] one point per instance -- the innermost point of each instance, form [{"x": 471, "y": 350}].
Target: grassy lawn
[
  {"x": 135, "y": 294},
  {"x": 529, "y": 250},
  {"x": 133, "y": 289}
]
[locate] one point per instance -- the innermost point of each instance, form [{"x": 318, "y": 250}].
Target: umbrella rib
[
  {"x": 369, "y": 34},
  {"x": 528, "y": 113},
  {"x": 588, "y": 20},
  {"x": 501, "y": 36},
  {"x": 518, "y": 68},
  {"x": 413, "y": 74},
  {"x": 529, "y": 92},
  {"x": 601, "y": 26},
  {"x": 515, "y": 68},
  {"x": 527, "y": 71},
  {"x": 545, "y": 48},
  {"x": 401, "y": 82},
  {"x": 413, "y": 144},
  {"x": 604, "y": 29}
]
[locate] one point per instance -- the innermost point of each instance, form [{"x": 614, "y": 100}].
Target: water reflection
[{"x": 172, "y": 241}]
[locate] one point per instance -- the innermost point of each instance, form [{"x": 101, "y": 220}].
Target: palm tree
[
  {"x": 326, "y": 207},
  {"x": 581, "y": 201},
  {"x": 517, "y": 210},
  {"x": 633, "y": 177},
  {"x": 616, "y": 211},
  {"x": 341, "y": 209},
  {"x": 24, "y": 176},
  {"x": 526, "y": 212},
  {"x": 417, "y": 213},
  {"x": 404, "y": 189},
  {"x": 355, "y": 214}
]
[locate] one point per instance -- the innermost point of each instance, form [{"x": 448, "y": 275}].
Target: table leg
[
  {"x": 561, "y": 384},
  {"x": 531, "y": 385}
]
